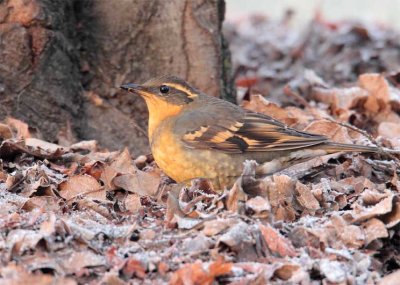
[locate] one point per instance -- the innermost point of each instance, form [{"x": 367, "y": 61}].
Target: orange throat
[{"x": 159, "y": 111}]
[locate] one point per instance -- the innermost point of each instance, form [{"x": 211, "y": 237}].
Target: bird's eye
[{"x": 164, "y": 89}]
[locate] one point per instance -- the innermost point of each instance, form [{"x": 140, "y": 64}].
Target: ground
[{"x": 78, "y": 214}]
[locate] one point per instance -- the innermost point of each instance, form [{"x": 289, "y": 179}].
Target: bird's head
[
  {"x": 169, "y": 90},
  {"x": 165, "y": 97}
]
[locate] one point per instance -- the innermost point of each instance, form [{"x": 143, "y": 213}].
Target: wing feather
[{"x": 252, "y": 132}]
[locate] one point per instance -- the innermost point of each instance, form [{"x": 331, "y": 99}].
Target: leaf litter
[{"x": 77, "y": 214}]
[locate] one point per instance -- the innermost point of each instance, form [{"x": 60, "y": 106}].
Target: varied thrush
[{"x": 193, "y": 135}]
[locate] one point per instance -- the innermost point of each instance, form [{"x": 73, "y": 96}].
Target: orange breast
[{"x": 183, "y": 164}]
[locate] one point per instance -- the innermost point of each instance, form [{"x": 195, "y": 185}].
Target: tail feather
[{"x": 332, "y": 147}]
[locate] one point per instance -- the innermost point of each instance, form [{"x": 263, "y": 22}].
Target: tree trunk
[{"x": 63, "y": 61}]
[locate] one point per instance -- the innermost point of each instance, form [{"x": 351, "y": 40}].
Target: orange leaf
[
  {"x": 277, "y": 243},
  {"x": 195, "y": 274}
]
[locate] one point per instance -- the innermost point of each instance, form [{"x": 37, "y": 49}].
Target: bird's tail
[{"x": 338, "y": 147}]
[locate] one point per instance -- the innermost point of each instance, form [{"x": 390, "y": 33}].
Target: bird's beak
[{"x": 132, "y": 87}]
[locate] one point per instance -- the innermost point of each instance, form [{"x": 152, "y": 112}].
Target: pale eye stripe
[{"x": 183, "y": 89}]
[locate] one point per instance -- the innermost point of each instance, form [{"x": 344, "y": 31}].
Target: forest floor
[{"x": 73, "y": 213}]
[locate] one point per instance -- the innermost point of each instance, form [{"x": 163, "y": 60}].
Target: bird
[{"x": 194, "y": 135}]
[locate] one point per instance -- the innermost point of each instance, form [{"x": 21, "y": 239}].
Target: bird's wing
[{"x": 248, "y": 132}]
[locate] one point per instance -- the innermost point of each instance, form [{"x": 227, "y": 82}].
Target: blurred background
[
  {"x": 384, "y": 11},
  {"x": 281, "y": 48}
]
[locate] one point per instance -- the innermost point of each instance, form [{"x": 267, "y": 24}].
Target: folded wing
[{"x": 250, "y": 132}]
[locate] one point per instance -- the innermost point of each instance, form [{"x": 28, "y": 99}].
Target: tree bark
[
  {"x": 39, "y": 74},
  {"x": 70, "y": 57}
]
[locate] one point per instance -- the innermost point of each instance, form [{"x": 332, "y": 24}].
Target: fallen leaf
[
  {"x": 16, "y": 274},
  {"x": 90, "y": 146},
  {"x": 378, "y": 90},
  {"x": 383, "y": 207},
  {"x": 236, "y": 197},
  {"x": 140, "y": 182},
  {"x": 286, "y": 271},
  {"x": 196, "y": 274},
  {"x": 122, "y": 164},
  {"x": 333, "y": 131},
  {"x": 78, "y": 260},
  {"x": 259, "y": 104},
  {"x": 393, "y": 218},
  {"x": 276, "y": 243},
  {"x": 21, "y": 128},
  {"x": 5, "y": 132},
  {"x": 351, "y": 236},
  {"x": 259, "y": 206},
  {"x": 391, "y": 279},
  {"x": 280, "y": 189},
  {"x": 374, "y": 229},
  {"x": 340, "y": 99},
  {"x": 214, "y": 227},
  {"x": 82, "y": 185},
  {"x": 306, "y": 198},
  {"x": 132, "y": 203},
  {"x": 20, "y": 240},
  {"x": 236, "y": 236},
  {"x": 133, "y": 268}
]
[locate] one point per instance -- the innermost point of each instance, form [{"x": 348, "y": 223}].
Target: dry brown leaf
[
  {"x": 280, "y": 189},
  {"x": 122, "y": 164},
  {"x": 333, "y": 131},
  {"x": 112, "y": 278},
  {"x": 20, "y": 240},
  {"x": 21, "y": 128},
  {"x": 140, "y": 182},
  {"x": 389, "y": 130},
  {"x": 306, "y": 198},
  {"x": 79, "y": 260},
  {"x": 391, "y": 279},
  {"x": 339, "y": 99},
  {"x": 175, "y": 216},
  {"x": 48, "y": 227},
  {"x": 42, "y": 145},
  {"x": 5, "y": 132},
  {"x": 196, "y": 274},
  {"x": 351, "y": 236},
  {"x": 372, "y": 197},
  {"x": 46, "y": 203},
  {"x": 236, "y": 236},
  {"x": 236, "y": 197},
  {"x": 15, "y": 274},
  {"x": 378, "y": 89},
  {"x": 259, "y": 206},
  {"x": 259, "y": 104},
  {"x": 393, "y": 218},
  {"x": 87, "y": 203},
  {"x": 374, "y": 229},
  {"x": 276, "y": 243},
  {"x": 132, "y": 203},
  {"x": 286, "y": 271},
  {"x": 85, "y": 146},
  {"x": 133, "y": 268},
  {"x": 304, "y": 237},
  {"x": 361, "y": 213},
  {"x": 200, "y": 243},
  {"x": 214, "y": 227},
  {"x": 82, "y": 185}
]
